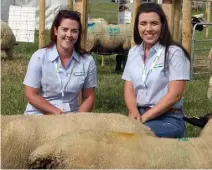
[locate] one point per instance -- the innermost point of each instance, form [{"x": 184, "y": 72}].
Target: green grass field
[{"x": 110, "y": 86}]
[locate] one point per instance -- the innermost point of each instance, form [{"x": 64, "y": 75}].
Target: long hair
[
  {"x": 165, "y": 38},
  {"x": 74, "y": 15}
]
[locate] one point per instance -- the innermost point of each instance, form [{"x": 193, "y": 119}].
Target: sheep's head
[
  {"x": 199, "y": 121},
  {"x": 198, "y": 19}
]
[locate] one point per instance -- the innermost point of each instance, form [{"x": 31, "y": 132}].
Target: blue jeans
[{"x": 166, "y": 125}]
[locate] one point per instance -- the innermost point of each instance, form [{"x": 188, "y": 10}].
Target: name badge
[
  {"x": 158, "y": 65},
  {"x": 79, "y": 73},
  {"x": 65, "y": 107}
]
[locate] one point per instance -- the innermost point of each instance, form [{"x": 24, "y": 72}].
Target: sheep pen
[
  {"x": 7, "y": 41},
  {"x": 23, "y": 135},
  {"x": 111, "y": 149}
]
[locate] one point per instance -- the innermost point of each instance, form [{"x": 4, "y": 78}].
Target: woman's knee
[{"x": 166, "y": 129}]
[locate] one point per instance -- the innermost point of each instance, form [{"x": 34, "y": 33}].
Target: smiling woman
[
  {"x": 57, "y": 73},
  {"x": 156, "y": 72}
]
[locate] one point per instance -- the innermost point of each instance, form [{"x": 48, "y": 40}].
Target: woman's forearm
[
  {"x": 130, "y": 98},
  {"x": 174, "y": 94},
  {"x": 87, "y": 105},
  {"x": 164, "y": 105},
  {"x": 43, "y": 105},
  {"x": 88, "y": 99}
]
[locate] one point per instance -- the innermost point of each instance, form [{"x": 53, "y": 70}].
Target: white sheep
[
  {"x": 106, "y": 149},
  {"x": 104, "y": 38},
  {"x": 23, "y": 135},
  {"x": 7, "y": 41},
  {"x": 108, "y": 37}
]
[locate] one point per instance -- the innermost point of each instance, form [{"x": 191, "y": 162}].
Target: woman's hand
[
  {"x": 144, "y": 118},
  {"x": 88, "y": 99},
  {"x": 130, "y": 100},
  {"x": 135, "y": 115},
  {"x": 33, "y": 97}
]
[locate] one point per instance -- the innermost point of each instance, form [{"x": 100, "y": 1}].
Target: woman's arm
[
  {"x": 179, "y": 73},
  {"x": 175, "y": 92},
  {"x": 88, "y": 98},
  {"x": 33, "y": 97},
  {"x": 130, "y": 100}
]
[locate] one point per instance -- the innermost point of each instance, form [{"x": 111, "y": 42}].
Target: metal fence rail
[{"x": 196, "y": 61}]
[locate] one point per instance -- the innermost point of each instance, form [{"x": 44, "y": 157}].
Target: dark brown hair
[
  {"x": 74, "y": 15},
  {"x": 165, "y": 35}
]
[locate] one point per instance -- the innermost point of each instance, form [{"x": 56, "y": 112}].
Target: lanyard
[
  {"x": 59, "y": 77},
  {"x": 144, "y": 71}
]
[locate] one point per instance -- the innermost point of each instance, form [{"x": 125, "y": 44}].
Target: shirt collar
[
  {"x": 154, "y": 48},
  {"x": 54, "y": 54}
]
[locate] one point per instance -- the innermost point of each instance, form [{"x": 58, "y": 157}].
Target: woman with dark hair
[
  {"x": 58, "y": 73},
  {"x": 156, "y": 73}
]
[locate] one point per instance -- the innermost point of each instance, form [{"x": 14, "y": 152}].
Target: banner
[{"x": 22, "y": 22}]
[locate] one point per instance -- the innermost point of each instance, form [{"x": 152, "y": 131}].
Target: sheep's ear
[
  {"x": 196, "y": 121},
  {"x": 44, "y": 163}
]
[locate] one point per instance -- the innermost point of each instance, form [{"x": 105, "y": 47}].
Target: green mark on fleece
[
  {"x": 91, "y": 26},
  {"x": 113, "y": 31},
  {"x": 183, "y": 139}
]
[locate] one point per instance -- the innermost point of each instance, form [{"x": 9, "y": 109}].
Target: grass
[{"x": 110, "y": 86}]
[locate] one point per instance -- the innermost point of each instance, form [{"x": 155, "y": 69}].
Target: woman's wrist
[{"x": 58, "y": 112}]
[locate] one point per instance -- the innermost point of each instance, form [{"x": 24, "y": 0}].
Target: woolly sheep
[
  {"x": 26, "y": 133},
  {"x": 108, "y": 37},
  {"x": 111, "y": 149},
  {"x": 104, "y": 38},
  {"x": 209, "y": 93},
  {"x": 7, "y": 41}
]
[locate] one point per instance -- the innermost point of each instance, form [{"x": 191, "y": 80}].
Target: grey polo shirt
[
  {"x": 150, "y": 92},
  {"x": 58, "y": 85}
]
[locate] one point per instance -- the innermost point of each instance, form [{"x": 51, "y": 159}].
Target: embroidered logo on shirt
[
  {"x": 158, "y": 65},
  {"x": 79, "y": 73}
]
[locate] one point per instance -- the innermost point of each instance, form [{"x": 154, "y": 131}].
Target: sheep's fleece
[
  {"x": 112, "y": 149},
  {"x": 105, "y": 38},
  {"x": 25, "y": 133},
  {"x": 7, "y": 41}
]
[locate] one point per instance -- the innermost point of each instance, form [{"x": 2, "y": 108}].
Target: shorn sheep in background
[
  {"x": 19, "y": 137},
  {"x": 8, "y": 41},
  {"x": 111, "y": 149},
  {"x": 107, "y": 39}
]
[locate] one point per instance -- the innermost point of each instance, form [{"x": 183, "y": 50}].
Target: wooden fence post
[
  {"x": 70, "y": 4},
  {"x": 168, "y": 8},
  {"x": 41, "y": 23},
  {"x": 176, "y": 24},
  {"x": 82, "y": 7},
  {"x": 186, "y": 26},
  {"x": 208, "y": 18},
  {"x": 136, "y": 3}
]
